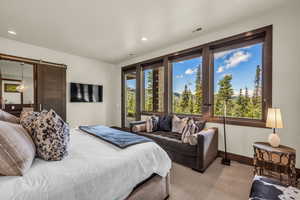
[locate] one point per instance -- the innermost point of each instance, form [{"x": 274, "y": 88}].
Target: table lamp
[{"x": 274, "y": 121}]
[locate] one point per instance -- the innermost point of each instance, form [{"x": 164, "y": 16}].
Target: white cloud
[
  {"x": 179, "y": 76},
  {"x": 222, "y": 54},
  {"x": 190, "y": 71},
  {"x": 220, "y": 69},
  {"x": 237, "y": 58}
]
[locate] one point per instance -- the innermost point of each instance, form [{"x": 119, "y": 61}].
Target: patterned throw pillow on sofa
[
  {"x": 51, "y": 136},
  {"x": 152, "y": 124},
  {"x": 178, "y": 124}
]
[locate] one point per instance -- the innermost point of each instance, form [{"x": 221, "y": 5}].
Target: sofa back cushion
[
  {"x": 165, "y": 123},
  {"x": 17, "y": 150}
]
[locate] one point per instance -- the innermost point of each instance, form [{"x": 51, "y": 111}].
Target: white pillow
[{"x": 178, "y": 124}]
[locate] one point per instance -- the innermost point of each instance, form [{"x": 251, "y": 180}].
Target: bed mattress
[{"x": 94, "y": 169}]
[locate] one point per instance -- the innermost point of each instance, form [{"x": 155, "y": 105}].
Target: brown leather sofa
[{"x": 197, "y": 157}]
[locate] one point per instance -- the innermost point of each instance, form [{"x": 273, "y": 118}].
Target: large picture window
[
  {"x": 238, "y": 81},
  {"x": 153, "y": 88},
  {"x": 236, "y": 71},
  {"x": 187, "y": 94}
]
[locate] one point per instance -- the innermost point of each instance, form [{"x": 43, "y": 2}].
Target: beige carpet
[{"x": 219, "y": 182}]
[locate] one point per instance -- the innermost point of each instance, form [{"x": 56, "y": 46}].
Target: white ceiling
[{"x": 109, "y": 30}]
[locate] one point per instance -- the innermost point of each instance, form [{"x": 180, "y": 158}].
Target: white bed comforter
[{"x": 93, "y": 170}]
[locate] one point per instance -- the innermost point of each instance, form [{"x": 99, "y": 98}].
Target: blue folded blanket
[{"x": 116, "y": 137}]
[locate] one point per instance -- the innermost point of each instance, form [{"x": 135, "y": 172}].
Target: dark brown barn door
[{"x": 51, "y": 89}]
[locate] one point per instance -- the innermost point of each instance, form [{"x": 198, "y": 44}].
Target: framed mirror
[{"x": 17, "y": 85}]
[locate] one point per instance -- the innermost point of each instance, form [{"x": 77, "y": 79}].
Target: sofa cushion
[
  {"x": 170, "y": 141},
  {"x": 165, "y": 123}
]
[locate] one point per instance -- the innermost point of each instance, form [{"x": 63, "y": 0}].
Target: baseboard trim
[
  {"x": 238, "y": 158},
  {"x": 244, "y": 159}
]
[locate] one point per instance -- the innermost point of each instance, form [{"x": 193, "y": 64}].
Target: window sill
[{"x": 239, "y": 122}]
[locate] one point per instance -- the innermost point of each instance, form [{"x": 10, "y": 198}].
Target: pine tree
[
  {"x": 184, "y": 104},
  {"x": 224, "y": 94},
  {"x": 198, "y": 94},
  {"x": 247, "y": 104},
  {"x": 149, "y": 91},
  {"x": 191, "y": 102},
  {"x": 256, "y": 99},
  {"x": 238, "y": 111}
]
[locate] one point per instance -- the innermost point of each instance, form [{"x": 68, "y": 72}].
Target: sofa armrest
[
  {"x": 133, "y": 123},
  {"x": 207, "y": 148}
]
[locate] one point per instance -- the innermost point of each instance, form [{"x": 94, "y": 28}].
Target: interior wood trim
[
  {"x": 238, "y": 158},
  {"x": 30, "y": 60},
  {"x": 263, "y": 34},
  {"x": 245, "y": 160},
  {"x": 247, "y": 34},
  {"x": 9, "y": 79}
]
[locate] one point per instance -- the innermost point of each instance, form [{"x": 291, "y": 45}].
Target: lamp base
[
  {"x": 274, "y": 140},
  {"x": 225, "y": 161}
]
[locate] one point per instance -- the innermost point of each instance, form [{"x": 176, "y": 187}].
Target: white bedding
[{"x": 93, "y": 170}]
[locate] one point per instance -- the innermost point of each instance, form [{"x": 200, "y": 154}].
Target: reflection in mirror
[{"x": 16, "y": 80}]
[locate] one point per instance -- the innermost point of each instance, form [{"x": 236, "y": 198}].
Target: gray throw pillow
[
  {"x": 165, "y": 123},
  {"x": 7, "y": 117},
  {"x": 17, "y": 150},
  {"x": 51, "y": 136}
]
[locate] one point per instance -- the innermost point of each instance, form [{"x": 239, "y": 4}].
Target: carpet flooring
[{"x": 219, "y": 182}]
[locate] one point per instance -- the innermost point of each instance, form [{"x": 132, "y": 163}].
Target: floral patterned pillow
[{"x": 51, "y": 136}]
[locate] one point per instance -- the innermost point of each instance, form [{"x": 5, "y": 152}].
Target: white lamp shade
[{"x": 274, "y": 118}]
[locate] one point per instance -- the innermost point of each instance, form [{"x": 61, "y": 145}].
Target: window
[
  {"x": 187, "y": 94},
  {"x": 238, "y": 81},
  {"x": 153, "y": 88},
  {"x": 199, "y": 81}
]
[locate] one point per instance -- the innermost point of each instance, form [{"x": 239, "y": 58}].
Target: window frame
[
  {"x": 206, "y": 51},
  {"x": 178, "y": 58},
  {"x": 147, "y": 66}
]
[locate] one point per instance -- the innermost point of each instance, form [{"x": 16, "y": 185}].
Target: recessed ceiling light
[
  {"x": 12, "y": 32},
  {"x": 144, "y": 39}
]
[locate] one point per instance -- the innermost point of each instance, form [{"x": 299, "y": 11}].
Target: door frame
[{"x": 123, "y": 100}]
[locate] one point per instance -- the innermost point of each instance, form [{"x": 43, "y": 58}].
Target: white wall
[
  {"x": 81, "y": 70},
  {"x": 286, "y": 72}
]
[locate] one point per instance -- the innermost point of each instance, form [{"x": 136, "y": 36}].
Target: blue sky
[
  {"x": 240, "y": 63},
  {"x": 184, "y": 73}
]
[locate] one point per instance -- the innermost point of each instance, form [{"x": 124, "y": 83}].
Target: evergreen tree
[
  {"x": 184, "y": 104},
  {"x": 191, "y": 102},
  {"x": 149, "y": 91},
  {"x": 198, "y": 94},
  {"x": 224, "y": 95},
  {"x": 257, "y": 99}
]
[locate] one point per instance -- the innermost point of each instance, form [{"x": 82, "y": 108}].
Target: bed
[{"x": 94, "y": 169}]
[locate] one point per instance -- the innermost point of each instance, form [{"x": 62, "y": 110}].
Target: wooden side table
[{"x": 276, "y": 162}]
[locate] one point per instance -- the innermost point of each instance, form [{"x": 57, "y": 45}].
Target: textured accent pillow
[
  {"x": 178, "y": 124},
  {"x": 27, "y": 120},
  {"x": 139, "y": 128},
  {"x": 165, "y": 123},
  {"x": 188, "y": 132},
  {"x": 51, "y": 136},
  {"x": 152, "y": 124},
  {"x": 7, "y": 117},
  {"x": 17, "y": 150},
  {"x": 199, "y": 125}
]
